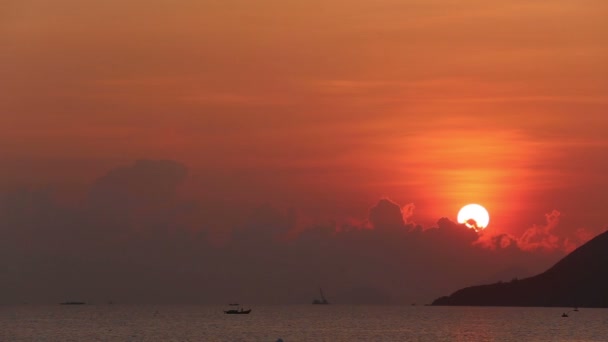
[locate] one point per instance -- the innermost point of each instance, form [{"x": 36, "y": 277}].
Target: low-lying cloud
[{"x": 132, "y": 239}]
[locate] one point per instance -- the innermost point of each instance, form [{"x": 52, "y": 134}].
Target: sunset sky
[{"x": 320, "y": 110}]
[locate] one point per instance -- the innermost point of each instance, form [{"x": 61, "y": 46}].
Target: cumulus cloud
[
  {"x": 129, "y": 229},
  {"x": 265, "y": 224},
  {"x": 542, "y": 237},
  {"x": 580, "y": 237},
  {"x": 408, "y": 212},
  {"x": 497, "y": 241},
  {"x": 386, "y": 215},
  {"x": 503, "y": 241},
  {"x": 133, "y": 232},
  {"x": 144, "y": 182}
]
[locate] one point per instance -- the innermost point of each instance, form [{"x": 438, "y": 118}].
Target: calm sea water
[{"x": 299, "y": 323}]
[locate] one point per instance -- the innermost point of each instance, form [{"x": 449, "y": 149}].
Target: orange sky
[{"x": 321, "y": 105}]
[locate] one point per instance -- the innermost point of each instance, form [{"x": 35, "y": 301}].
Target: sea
[{"x": 299, "y": 323}]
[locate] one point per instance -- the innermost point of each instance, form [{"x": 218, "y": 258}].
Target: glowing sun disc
[{"x": 474, "y": 216}]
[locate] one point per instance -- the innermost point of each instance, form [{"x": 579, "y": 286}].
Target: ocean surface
[{"x": 299, "y": 323}]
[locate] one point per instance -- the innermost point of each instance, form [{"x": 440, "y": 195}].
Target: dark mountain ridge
[{"x": 580, "y": 279}]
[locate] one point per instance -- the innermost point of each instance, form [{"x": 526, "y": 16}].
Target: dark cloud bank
[{"x": 133, "y": 240}]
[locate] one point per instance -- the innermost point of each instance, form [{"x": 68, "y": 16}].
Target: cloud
[
  {"x": 544, "y": 237},
  {"x": 408, "y": 211},
  {"x": 130, "y": 230},
  {"x": 386, "y": 215},
  {"x": 265, "y": 224},
  {"x": 449, "y": 233},
  {"x": 580, "y": 237},
  {"x": 541, "y": 237},
  {"x": 497, "y": 241},
  {"x": 133, "y": 231},
  {"x": 146, "y": 181}
]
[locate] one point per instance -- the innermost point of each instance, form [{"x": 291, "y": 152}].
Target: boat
[
  {"x": 72, "y": 303},
  {"x": 240, "y": 311},
  {"x": 564, "y": 315},
  {"x": 322, "y": 300}
]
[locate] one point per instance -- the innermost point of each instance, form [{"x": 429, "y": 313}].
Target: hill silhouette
[{"x": 579, "y": 279}]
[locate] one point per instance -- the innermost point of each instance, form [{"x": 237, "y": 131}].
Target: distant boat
[
  {"x": 322, "y": 300},
  {"x": 564, "y": 315},
  {"x": 575, "y": 309},
  {"x": 240, "y": 311},
  {"x": 72, "y": 303}
]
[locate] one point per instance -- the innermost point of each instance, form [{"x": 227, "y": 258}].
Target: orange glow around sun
[{"x": 474, "y": 216}]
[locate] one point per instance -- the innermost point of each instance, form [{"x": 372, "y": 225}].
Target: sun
[{"x": 474, "y": 216}]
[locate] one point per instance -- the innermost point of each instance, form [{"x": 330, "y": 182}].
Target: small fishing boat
[{"x": 240, "y": 311}]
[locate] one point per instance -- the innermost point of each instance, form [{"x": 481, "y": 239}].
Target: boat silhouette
[
  {"x": 322, "y": 300},
  {"x": 565, "y": 314},
  {"x": 240, "y": 311}
]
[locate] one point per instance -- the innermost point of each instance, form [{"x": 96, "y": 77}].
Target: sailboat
[{"x": 322, "y": 300}]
